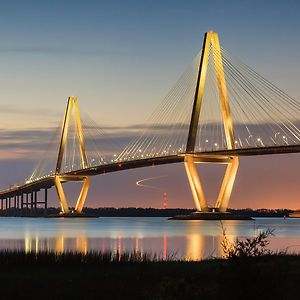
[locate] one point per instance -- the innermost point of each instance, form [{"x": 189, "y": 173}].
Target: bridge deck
[{"x": 48, "y": 182}]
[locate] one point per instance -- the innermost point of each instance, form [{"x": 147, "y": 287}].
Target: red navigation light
[
  {"x": 120, "y": 165},
  {"x": 165, "y": 200}
]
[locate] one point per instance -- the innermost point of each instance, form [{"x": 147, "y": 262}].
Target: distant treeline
[
  {"x": 170, "y": 212},
  {"x": 262, "y": 212},
  {"x": 137, "y": 212},
  {"x": 144, "y": 212}
]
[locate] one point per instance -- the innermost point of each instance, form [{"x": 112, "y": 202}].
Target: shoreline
[{"x": 150, "y": 212}]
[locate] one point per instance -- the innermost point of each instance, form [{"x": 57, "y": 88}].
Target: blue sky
[{"x": 120, "y": 58}]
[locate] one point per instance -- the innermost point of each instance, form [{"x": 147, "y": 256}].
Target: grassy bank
[{"x": 94, "y": 276}]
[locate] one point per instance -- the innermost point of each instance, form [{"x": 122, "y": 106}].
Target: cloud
[
  {"x": 27, "y": 143},
  {"x": 11, "y": 109},
  {"x": 48, "y": 50}
]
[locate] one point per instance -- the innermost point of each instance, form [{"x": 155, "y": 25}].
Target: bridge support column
[
  {"x": 35, "y": 201},
  {"x": 195, "y": 185},
  {"x": 46, "y": 201},
  {"x": 22, "y": 203},
  {"x": 62, "y": 197},
  {"x": 31, "y": 201},
  {"x": 211, "y": 45},
  {"x": 72, "y": 106},
  {"x": 227, "y": 185},
  {"x": 26, "y": 203},
  {"x": 190, "y": 161}
]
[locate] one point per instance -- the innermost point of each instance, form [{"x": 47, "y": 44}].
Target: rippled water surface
[{"x": 184, "y": 239}]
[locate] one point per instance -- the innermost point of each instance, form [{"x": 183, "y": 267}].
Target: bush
[{"x": 249, "y": 247}]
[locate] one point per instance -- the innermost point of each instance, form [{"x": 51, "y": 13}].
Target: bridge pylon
[
  {"x": 72, "y": 107},
  {"x": 211, "y": 44}
]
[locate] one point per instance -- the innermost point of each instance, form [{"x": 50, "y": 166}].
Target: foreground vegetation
[
  {"x": 247, "y": 271},
  {"x": 66, "y": 276}
]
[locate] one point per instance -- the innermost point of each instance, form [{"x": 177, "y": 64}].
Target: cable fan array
[
  {"x": 262, "y": 116},
  {"x": 94, "y": 139},
  {"x": 46, "y": 165},
  {"x": 167, "y": 128}
]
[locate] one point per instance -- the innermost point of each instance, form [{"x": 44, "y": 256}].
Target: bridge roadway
[{"x": 48, "y": 182}]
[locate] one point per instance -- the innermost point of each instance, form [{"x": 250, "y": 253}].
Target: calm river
[{"x": 184, "y": 239}]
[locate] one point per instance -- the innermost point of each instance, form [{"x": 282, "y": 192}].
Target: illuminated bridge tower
[
  {"x": 72, "y": 107},
  {"x": 211, "y": 43}
]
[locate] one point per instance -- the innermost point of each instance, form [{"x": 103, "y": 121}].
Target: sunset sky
[{"x": 120, "y": 58}]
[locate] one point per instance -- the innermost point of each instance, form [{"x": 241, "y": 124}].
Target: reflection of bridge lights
[
  {"x": 59, "y": 244},
  {"x": 165, "y": 247},
  {"x": 194, "y": 250}
]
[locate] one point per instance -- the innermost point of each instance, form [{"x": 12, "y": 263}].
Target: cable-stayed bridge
[{"x": 218, "y": 110}]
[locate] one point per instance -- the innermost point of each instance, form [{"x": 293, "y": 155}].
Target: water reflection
[
  {"x": 183, "y": 239},
  {"x": 194, "y": 247}
]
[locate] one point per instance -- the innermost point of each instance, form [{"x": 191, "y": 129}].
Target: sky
[{"x": 120, "y": 58}]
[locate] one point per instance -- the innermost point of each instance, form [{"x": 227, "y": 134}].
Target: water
[{"x": 182, "y": 239}]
